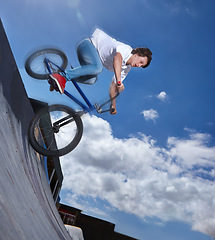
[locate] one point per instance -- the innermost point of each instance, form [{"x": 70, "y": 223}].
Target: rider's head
[{"x": 143, "y": 52}]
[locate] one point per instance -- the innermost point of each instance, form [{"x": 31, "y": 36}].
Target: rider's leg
[
  {"x": 89, "y": 79},
  {"x": 89, "y": 60},
  {"x": 87, "y": 73}
]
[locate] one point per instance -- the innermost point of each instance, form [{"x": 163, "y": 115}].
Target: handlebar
[
  {"x": 99, "y": 107},
  {"x": 111, "y": 109}
]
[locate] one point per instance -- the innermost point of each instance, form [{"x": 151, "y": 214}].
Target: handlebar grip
[{"x": 112, "y": 110}]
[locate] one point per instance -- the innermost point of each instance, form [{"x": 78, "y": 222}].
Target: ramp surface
[{"x": 27, "y": 209}]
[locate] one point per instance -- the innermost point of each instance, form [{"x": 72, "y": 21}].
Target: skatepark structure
[
  {"x": 30, "y": 183},
  {"x": 27, "y": 206}
]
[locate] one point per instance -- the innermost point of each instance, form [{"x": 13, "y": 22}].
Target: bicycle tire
[
  {"x": 45, "y": 140},
  {"x": 35, "y": 67}
]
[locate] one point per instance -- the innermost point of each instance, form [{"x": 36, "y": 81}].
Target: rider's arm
[
  {"x": 113, "y": 91},
  {"x": 116, "y": 87},
  {"x": 117, "y": 66}
]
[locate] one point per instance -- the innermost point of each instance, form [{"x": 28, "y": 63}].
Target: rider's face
[{"x": 138, "y": 61}]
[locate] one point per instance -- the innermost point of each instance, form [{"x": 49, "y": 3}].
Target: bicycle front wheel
[
  {"x": 55, "y": 130},
  {"x": 35, "y": 64}
]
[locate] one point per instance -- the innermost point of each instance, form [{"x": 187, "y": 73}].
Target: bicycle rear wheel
[
  {"x": 35, "y": 65},
  {"x": 55, "y": 130}
]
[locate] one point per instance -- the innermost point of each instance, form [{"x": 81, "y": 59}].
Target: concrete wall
[{"x": 27, "y": 209}]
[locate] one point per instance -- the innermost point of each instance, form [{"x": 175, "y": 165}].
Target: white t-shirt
[{"x": 107, "y": 47}]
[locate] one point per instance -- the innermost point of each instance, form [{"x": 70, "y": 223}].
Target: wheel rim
[
  {"x": 38, "y": 64},
  {"x": 55, "y": 138}
]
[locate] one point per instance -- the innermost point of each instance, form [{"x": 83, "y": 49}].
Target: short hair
[{"x": 143, "y": 52}]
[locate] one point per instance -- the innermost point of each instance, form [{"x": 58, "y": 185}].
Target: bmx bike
[{"x": 57, "y": 129}]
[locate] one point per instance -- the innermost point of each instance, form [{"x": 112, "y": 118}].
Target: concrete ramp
[{"x": 27, "y": 209}]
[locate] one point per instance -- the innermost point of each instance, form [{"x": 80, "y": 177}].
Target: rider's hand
[
  {"x": 113, "y": 111},
  {"x": 120, "y": 87}
]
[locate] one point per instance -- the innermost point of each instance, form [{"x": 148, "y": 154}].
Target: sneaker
[
  {"x": 53, "y": 85},
  {"x": 57, "y": 82}
]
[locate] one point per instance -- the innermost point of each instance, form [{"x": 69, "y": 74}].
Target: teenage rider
[{"x": 100, "y": 51}]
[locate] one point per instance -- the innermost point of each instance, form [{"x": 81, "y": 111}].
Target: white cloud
[
  {"x": 177, "y": 7},
  {"x": 192, "y": 152},
  {"x": 134, "y": 175},
  {"x": 150, "y": 114},
  {"x": 162, "y": 96}
]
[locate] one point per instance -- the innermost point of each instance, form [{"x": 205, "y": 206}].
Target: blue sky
[{"x": 150, "y": 169}]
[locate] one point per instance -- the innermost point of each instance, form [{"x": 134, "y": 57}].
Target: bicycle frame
[{"x": 87, "y": 106}]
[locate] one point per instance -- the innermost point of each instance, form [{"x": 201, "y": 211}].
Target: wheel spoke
[
  {"x": 36, "y": 67},
  {"x": 47, "y": 138}
]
